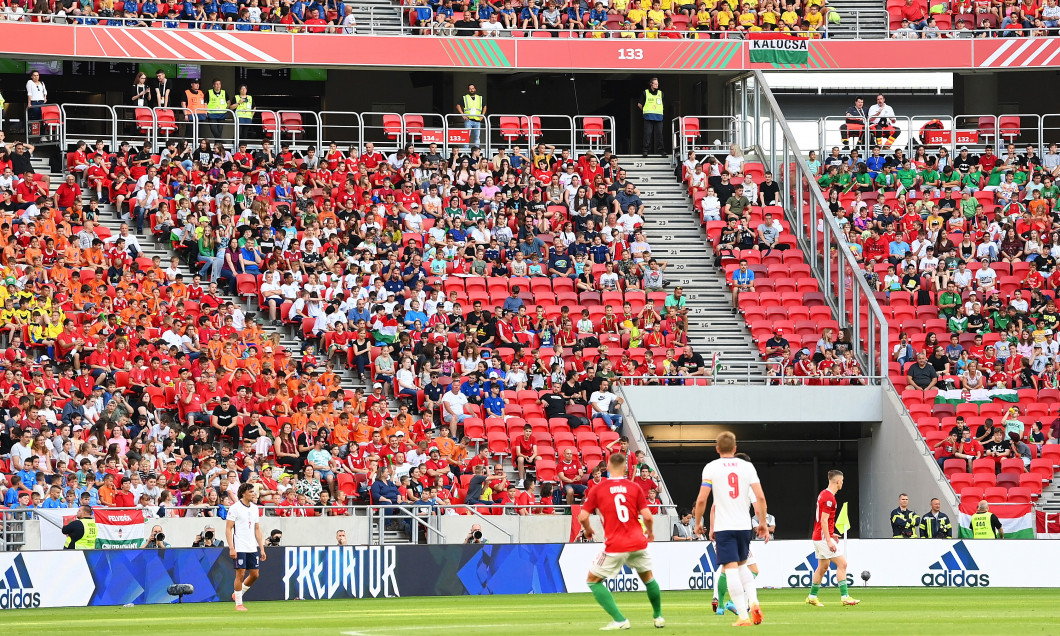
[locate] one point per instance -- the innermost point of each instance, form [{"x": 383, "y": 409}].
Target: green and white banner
[
  {"x": 780, "y": 51},
  {"x": 976, "y": 396}
]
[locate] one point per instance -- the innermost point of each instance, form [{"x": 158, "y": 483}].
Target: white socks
[
  {"x": 747, "y": 579},
  {"x": 736, "y": 591},
  {"x": 239, "y": 597}
]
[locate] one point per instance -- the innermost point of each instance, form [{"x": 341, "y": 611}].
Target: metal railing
[
  {"x": 868, "y": 24},
  {"x": 705, "y": 134},
  {"x": 388, "y": 131},
  {"x": 414, "y": 519},
  {"x": 863, "y": 20},
  {"x": 818, "y": 234},
  {"x": 12, "y": 530},
  {"x": 400, "y": 15},
  {"x": 752, "y": 374},
  {"x": 977, "y": 132}
]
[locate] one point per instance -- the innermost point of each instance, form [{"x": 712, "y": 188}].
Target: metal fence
[{"x": 387, "y": 131}]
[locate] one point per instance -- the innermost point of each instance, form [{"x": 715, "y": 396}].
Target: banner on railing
[
  {"x": 1017, "y": 521},
  {"x": 779, "y": 51},
  {"x": 116, "y": 528},
  {"x": 119, "y": 577}
]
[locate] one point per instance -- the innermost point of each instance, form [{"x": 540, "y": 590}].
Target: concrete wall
[
  {"x": 892, "y": 461},
  {"x": 724, "y": 404}
]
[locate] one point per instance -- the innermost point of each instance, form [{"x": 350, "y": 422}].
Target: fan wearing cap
[{"x": 776, "y": 345}]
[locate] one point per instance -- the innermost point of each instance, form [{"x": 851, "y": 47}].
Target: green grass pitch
[{"x": 883, "y": 612}]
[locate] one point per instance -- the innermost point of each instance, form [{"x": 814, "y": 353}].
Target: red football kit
[
  {"x": 825, "y": 505},
  {"x": 619, "y": 502}
]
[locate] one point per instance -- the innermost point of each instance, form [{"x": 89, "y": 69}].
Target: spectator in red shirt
[
  {"x": 125, "y": 498},
  {"x": 913, "y": 11},
  {"x": 645, "y": 481}
]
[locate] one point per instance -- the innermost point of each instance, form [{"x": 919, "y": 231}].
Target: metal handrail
[
  {"x": 753, "y": 375},
  {"x": 405, "y": 29},
  {"x": 111, "y": 121},
  {"x": 849, "y": 286},
  {"x": 560, "y": 508},
  {"x": 681, "y": 139}
]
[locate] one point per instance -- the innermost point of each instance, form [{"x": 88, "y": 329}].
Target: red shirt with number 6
[{"x": 619, "y": 502}]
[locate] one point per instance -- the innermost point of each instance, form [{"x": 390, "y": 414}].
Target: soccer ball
[{"x": 866, "y": 575}]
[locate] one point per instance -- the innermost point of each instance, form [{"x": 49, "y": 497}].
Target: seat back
[
  {"x": 392, "y": 126},
  {"x": 690, "y": 127}
]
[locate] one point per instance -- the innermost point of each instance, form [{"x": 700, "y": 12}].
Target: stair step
[{"x": 677, "y": 237}]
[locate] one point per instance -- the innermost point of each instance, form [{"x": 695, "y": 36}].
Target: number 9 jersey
[
  {"x": 731, "y": 479},
  {"x": 619, "y": 502}
]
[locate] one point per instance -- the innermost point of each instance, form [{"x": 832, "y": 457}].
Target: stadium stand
[
  {"x": 913, "y": 19},
  {"x": 646, "y": 19},
  {"x": 962, "y": 258},
  {"x": 126, "y": 329}
]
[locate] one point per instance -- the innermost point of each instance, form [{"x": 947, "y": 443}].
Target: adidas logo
[
  {"x": 956, "y": 568},
  {"x": 803, "y": 575},
  {"x": 16, "y": 588},
  {"x": 704, "y": 572},
  {"x": 625, "y": 581}
]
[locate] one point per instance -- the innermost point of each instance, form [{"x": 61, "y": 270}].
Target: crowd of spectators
[
  {"x": 330, "y": 16},
  {"x": 913, "y": 19},
  {"x": 963, "y": 250},
  {"x": 490, "y": 301},
  {"x": 517, "y": 18},
  {"x": 621, "y": 18}
]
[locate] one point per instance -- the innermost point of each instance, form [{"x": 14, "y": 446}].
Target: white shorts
[
  {"x": 822, "y": 551},
  {"x": 751, "y": 558},
  {"x": 607, "y": 565}
]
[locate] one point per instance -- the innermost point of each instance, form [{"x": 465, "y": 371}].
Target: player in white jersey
[
  {"x": 246, "y": 545},
  {"x": 721, "y": 585},
  {"x": 733, "y": 481}
]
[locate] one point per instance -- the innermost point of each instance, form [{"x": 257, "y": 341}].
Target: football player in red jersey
[
  {"x": 619, "y": 501},
  {"x": 826, "y": 542}
]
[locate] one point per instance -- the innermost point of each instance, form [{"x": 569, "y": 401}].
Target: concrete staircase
[
  {"x": 1050, "y": 499},
  {"x": 677, "y": 237},
  {"x": 860, "y": 19},
  {"x": 376, "y": 17}
]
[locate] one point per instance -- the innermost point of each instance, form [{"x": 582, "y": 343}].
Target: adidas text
[
  {"x": 957, "y": 578},
  {"x": 17, "y": 599}
]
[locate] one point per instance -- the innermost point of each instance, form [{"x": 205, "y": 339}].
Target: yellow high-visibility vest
[
  {"x": 653, "y": 104},
  {"x": 88, "y": 541},
  {"x": 218, "y": 102},
  {"x": 981, "y": 528},
  {"x": 473, "y": 107},
  {"x": 245, "y": 109}
]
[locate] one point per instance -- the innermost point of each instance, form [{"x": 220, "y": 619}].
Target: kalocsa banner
[{"x": 118, "y": 577}]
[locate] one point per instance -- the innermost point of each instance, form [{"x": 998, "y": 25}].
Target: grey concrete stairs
[
  {"x": 676, "y": 236},
  {"x": 376, "y": 17},
  {"x": 1050, "y": 499},
  {"x": 859, "y": 19}
]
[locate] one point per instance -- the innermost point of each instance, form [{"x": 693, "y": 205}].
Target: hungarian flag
[
  {"x": 976, "y": 396},
  {"x": 119, "y": 528},
  {"x": 1017, "y": 520},
  {"x": 779, "y": 51},
  {"x": 1048, "y": 524}
]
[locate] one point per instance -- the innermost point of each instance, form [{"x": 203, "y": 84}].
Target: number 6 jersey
[
  {"x": 619, "y": 502},
  {"x": 731, "y": 479}
]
